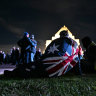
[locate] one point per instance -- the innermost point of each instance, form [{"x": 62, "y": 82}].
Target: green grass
[{"x": 62, "y": 86}]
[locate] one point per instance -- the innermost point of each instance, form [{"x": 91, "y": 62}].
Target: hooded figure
[{"x": 61, "y": 55}]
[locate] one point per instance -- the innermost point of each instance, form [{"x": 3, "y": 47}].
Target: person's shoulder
[
  {"x": 28, "y": 39},
  {"x": 20, "y": 41},
  {"x": 57, "y": 39},
  {"x": 69, "y": 40},
  {"x": 35, "y": 41},
  {"x": 63, "y": 39}
]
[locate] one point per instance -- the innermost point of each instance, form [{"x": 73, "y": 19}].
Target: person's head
[
  {"x": 32, "y": 36},
  {"x": 0, "y": 51},
  {"x": 17, "y": 48},
  {"x": 64, "y": 34},
  {"x": 86, "y": 41},
  {"x": 26, "y": 34}
]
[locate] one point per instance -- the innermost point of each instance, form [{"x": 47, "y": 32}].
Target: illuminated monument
[{"x": 57, "y": 36}]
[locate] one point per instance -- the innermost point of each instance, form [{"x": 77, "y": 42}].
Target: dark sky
[{"x": 44, "y": 18}]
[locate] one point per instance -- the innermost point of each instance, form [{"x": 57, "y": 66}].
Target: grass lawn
[{"x": 62, "y": 86}]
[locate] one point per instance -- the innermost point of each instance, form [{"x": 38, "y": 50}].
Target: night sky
[{"x": 44, "y": 18}]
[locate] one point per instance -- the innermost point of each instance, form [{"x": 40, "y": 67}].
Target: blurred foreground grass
[{"x": 62, "y": 86}]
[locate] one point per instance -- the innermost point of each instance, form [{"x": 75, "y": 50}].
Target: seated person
[
  {"x": 61, "y": 55},
  {"x": 89, "y": 54}
]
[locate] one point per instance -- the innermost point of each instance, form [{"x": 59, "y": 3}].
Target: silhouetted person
[
  {"x": 13, "y": 57},
  {"x": 89, "y": 54},
  {"x": 7, "y": 59},
  {"x": 25, "y": 43},
  {"x": 17, "y": 54},
  {"x": 4, "y": 55},
  {"x": 1, "y": 57}
]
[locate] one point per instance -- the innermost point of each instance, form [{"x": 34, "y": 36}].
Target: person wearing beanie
[
  {"x": 26, "y": 34},
  {"x": 25, "y": 43}
]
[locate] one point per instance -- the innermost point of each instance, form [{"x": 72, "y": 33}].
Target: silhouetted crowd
[
  {"x": 28, "y": 53},
  {"x": 12, "y": 57}
]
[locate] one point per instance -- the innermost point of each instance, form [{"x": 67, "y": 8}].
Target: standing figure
[
  {"x": 13, "y": 57},
  {"x": 1, "y": 57},
  {"x": 17, "y": 54},
  {"x": 4, "y": 55},
  {"x": 33, "y": 49},
  {"x": 7, "y": 59},
  {"x": 25, "y": 43}
]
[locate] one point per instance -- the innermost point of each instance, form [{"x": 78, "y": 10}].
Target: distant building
[{"x": 57, "y": 36}]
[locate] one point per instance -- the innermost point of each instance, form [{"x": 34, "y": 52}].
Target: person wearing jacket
[
  {"x": 25, "y": 43},
  {"x": 33, "y": 49}
]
